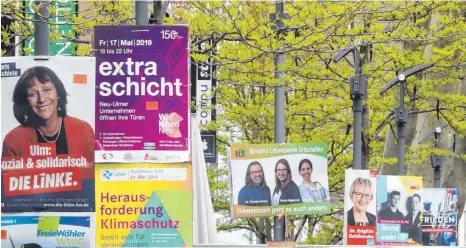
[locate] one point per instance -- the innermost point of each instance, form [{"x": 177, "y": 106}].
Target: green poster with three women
[{"x": 274, "y": 179}]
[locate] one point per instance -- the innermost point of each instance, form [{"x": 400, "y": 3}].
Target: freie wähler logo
[
  {"x": 107, "y": 174},
  {"x": 52, "y": 231},
  {"x": 61, "y": 233}
]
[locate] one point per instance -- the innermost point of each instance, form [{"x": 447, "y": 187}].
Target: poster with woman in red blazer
[{"x": 48, "y": 134}]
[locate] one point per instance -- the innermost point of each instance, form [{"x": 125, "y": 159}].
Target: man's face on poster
[
  {"x": 394, "y": 200},
  {"x": 416, "y": 203},
  {"x": 256, "y": 173}
]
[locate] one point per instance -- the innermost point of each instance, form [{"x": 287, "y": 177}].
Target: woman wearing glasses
[
  {"x": 286, "y": 191},
  {"x": 361, "y": 196}
]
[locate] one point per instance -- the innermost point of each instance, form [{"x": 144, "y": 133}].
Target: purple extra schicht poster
[{"x": 142, "y": 94}]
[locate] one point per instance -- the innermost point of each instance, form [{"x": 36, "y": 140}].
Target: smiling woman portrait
[
  {"x": 39, "y": 105},
  {"x": 361, "y": 194},
  {"x": 286, "y": 191},
  {"x": 311, "y": 191}
]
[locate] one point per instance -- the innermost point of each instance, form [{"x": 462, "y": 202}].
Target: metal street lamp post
[
  {"x": 358, "y": 89},
  {"x": 279, "y": 124},
  {"x": 401, "y": 113}
]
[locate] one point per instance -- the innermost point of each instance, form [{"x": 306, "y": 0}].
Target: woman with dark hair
[
  {"x": 39, "y": 105},
  {"x": 311, "y": 191},
  {"x": 286, "y": 191}
]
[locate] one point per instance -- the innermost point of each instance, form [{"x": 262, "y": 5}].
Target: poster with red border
[{"x": 360, "y": 207}]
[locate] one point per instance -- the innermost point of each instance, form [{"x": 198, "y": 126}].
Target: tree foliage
[
  {"x": 392, "y": 36},
  {"x": 82, "y": 21}
]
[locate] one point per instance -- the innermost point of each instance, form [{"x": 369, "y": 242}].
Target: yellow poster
[{"x": 143, "y": 205}]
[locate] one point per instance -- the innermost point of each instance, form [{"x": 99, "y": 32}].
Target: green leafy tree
[
  {"x": 87, "y": 14},
  {"x": 218, "y": 183},
  {"x": 394, "y": 36}
]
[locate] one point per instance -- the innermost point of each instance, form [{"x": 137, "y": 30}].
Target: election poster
[
  {"x": 439, "y": 216},
  {"x": 399, "y": 217},
  {"x": 144, "y": 205},
  {"x": 47, "y": 231},
  {"x": 47, "y": 134},
  {"x": 274, "y": 179},
  {"x": 142, "y": 94},
  {"x": 360, "y": 207}
]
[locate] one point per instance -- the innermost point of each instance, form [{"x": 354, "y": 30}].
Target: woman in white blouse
[{"x": 311, "y": 191}]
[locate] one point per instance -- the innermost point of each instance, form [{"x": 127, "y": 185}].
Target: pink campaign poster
[{"x": 142, "y": 94}]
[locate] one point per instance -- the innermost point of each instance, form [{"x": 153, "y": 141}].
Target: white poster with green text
[{"x": 274, "y": 179}]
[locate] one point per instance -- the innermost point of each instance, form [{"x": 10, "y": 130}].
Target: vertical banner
[
  {"x": 48, "y": 134},
  {"x": 439, "y": 217},
  {"x": 142, "y": 81},
  {"x": 142, "y": 205},
  {"x": 203, "y": 83},
  {"x": 47, "y": 231},
  {"x": 360, "y": 207},
  {"x": 271, "y": 179},
  {"x": 399, "y": 218}
]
